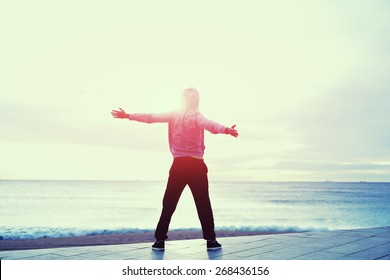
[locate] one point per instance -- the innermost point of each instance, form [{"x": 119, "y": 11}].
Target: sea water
[{"x": 35, "y": 209}]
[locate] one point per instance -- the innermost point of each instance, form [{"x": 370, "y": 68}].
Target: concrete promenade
[{"x": 355, "y": 244}]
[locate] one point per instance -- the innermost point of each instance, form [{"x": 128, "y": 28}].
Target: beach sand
[{"x": 113, "y": 239}]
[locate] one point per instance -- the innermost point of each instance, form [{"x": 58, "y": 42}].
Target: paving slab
[{"x": 354, "y": 244}]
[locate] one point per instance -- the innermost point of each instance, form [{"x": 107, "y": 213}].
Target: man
[{"x": 186, "y": 141}]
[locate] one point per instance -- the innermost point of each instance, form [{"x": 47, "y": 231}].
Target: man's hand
[
  {"x": 232, "y": 131},
  {"x": 119, "y": 114}
]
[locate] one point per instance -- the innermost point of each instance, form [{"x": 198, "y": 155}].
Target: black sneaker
[
  {"x": 213, "y": 245},
  {"x": 159, "y": 245}
]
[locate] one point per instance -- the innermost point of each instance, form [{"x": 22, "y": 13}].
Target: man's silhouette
[{"x": 186, "y": 141}]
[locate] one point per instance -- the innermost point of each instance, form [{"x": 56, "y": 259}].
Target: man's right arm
[{"x": 215, "y": 127}]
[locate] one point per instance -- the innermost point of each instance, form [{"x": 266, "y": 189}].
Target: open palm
[{"x": 119, "y": 114}]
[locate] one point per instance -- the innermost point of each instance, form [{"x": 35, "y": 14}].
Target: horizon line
[{"x": 162, "y": 180}]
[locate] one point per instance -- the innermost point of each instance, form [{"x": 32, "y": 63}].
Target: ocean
[{"x": 36, "y": 209}]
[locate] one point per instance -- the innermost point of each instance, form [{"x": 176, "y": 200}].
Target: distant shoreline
[
  {"x": 114, "y": 239},
  {"x": 163, "y": 181}
]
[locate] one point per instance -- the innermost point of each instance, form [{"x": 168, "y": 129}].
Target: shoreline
[{"x": 115, "y": 239}]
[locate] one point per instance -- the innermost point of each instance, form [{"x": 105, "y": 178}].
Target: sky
[{"x": 306, "y": 82}]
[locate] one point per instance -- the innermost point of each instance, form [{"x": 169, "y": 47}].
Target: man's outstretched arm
[
  {"x": 215, "y": 127},
  {"x": 146, "y": 118}
]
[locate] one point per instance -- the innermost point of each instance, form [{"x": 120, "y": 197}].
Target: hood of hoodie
[{"x": 190, "y": 98}]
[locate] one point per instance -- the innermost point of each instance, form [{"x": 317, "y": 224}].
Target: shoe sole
[
  {"x": 158, "y": 249},
  {"x": 214, "y": 249}
]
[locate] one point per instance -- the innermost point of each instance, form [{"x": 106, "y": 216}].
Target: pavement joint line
[
  {"x": 386, "y": 256},
  {"x": 380, "y": 245},
  {"x": 343, "y": 244}
]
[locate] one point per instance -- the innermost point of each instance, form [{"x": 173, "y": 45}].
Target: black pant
[{"x": 191, "y": 171}]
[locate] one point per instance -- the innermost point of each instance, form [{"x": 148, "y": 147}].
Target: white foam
[{"x": 8, "y": 233}]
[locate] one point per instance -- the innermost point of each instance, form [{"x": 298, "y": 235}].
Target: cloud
[
  {"x": 28, "y": 123},
  {"x": 326, "y": 166}
]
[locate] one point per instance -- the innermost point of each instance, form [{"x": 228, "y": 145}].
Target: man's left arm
[{"x": 145, "y": 118}]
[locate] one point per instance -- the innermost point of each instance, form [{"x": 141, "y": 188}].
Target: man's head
[{"x": 190, "y": 98}]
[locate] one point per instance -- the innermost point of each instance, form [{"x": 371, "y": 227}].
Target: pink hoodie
[{"x": 185, "y": 127}]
